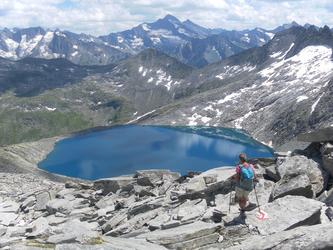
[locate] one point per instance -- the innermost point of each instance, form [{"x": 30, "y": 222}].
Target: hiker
[{"x": 245, "y": 177}]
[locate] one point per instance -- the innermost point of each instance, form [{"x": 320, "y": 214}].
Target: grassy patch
[
  {"x": 18, "y": 126},
  {"x": 95, "y": 241},
  {"x": 34, "y": 243}
]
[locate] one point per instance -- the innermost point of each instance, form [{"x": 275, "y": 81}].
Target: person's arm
[{"x": 237, "y": 175}]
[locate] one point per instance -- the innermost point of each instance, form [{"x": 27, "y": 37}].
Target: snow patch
[
  {"x": 137, "y": 42},
  {"x": 301, "y": 98},
  {"x": 314, "y": 105},
  {"x": 140, "y": 69},
  {"x": 150, "y": 79},
  {"x": 145, "y": 27}
]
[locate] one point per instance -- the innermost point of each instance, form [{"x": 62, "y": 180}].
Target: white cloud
[{"x": 104, "y": 16}]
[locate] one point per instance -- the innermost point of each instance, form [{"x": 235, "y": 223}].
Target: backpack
[{"x": 246, "y": 177}]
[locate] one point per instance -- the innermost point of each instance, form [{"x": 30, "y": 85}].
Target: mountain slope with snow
[
  {"x": 48, "y": 44},
  {"x": 275, "y": 92},
  {"x": 186, "y": 41}
]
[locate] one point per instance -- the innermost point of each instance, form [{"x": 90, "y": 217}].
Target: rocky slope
[{"x": 158, "y": 209}]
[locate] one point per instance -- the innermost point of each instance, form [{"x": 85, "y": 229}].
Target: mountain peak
[{"x": 171, "y": 18}]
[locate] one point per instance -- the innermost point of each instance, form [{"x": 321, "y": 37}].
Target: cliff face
[{"x": 159, "y": 209}]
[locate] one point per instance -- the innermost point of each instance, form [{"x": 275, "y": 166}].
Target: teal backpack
[{"x": 246, "y": 178}]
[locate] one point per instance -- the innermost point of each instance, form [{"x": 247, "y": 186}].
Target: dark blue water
[{"x": 125, "y": 149}]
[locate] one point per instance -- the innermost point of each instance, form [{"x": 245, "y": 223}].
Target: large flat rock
[
  {"x": 182, "y": 233},
  {"x": 310, "y": 238},
  {"x": 114, "y": 184},
  {"x": 286, "y": 213}
]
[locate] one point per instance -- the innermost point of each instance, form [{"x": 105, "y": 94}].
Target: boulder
[
  {"x": 298, "y": 165},
  {"x": 320, "y": 135},
  {"x": 106, "y": 201},
  {"x": 289, "y": 185},
  {"x": 272, "y": 173},
  {"x": 158, "y": 221},
  {"x": 154, "y": 177},
  {"x": 8, "y": 212},
  {"x": 134, "y": 223},
  {"x": 311, "y": 238},
  {"x": 196, "y": 184},
  {"x": 221, "y": 173},
  {"x": 9, "y": 207},
  {"x": 114, "y": 221},
  {"x": 286, "y": 213},
  {"x": 82, "y": 231},
  {"x": 28, "y": 202},
  {"x": 39, "y": 228},
  {"x": 65, "y": 206},
  {"x": 184, "y": 234},
  {"x": 327, "y": 197},
  {"x": 114, "y": 184},
  {"x": 191, "y": 210},
  {"x": 145, "y": 205},
  {"x": 197, "y": 187},
  {"x": 210, "y": 178},
  {"x": 7, "y": 218},
  {"x": 42, "y": 199},
  {"x": 328, "y": 163}
]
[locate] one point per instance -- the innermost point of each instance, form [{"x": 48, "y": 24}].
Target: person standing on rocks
[{"x": 245, "y": 176}]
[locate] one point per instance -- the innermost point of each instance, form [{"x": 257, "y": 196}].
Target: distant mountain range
[
  {"x": 186, "y": 41},
  {"x": 275, "y": 91}
]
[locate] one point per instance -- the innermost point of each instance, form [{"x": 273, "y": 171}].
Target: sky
[{"x": 100, "y": 17}]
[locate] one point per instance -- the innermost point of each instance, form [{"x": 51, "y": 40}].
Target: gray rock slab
[
  {"x": 59, "y": 205},
  {"x": 286, "y": 213},
  {"x": 134, "y": 223},
  {"x": 196, "y": 243},
  {"x": 196, "y": 184},
  {"x": 181, "y": 233},
  {"x": 41, "y": 200},
  {"x": 9, "y": 206},
  {"x": 113, "y": 243},
  {"x": 62, "y": 238},
  {"x": 153, "y": 177},
  {"x": 191, "y": 210},
  {"x": 272, "y": 173},
  {"x": 40, "y": 227},
  {"x": 7, "y": 218},
  {"x": 307, "y": 237},
  {"x": 113, "y": 184},
  {"x": 298, "y": 165},
  {"x": 299, "y": 185}
]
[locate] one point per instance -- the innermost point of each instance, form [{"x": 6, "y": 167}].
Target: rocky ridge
[{"x": 159, "y": 209}]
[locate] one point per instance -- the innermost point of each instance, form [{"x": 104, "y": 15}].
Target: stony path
[{"x": 159, "y": 209}]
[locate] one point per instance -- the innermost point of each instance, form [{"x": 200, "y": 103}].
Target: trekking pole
[
  {"x": 229, "y": 201},
  {"x": 261, "y": 215},
  {"x": 255, "y": 191}
]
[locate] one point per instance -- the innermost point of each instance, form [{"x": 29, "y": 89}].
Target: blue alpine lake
[{"x": 122, "y": 150}]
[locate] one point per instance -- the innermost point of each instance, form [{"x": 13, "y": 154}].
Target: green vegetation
[
  {"x": 59, "y": 111},
  {"x": 19, "y": 126}
]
